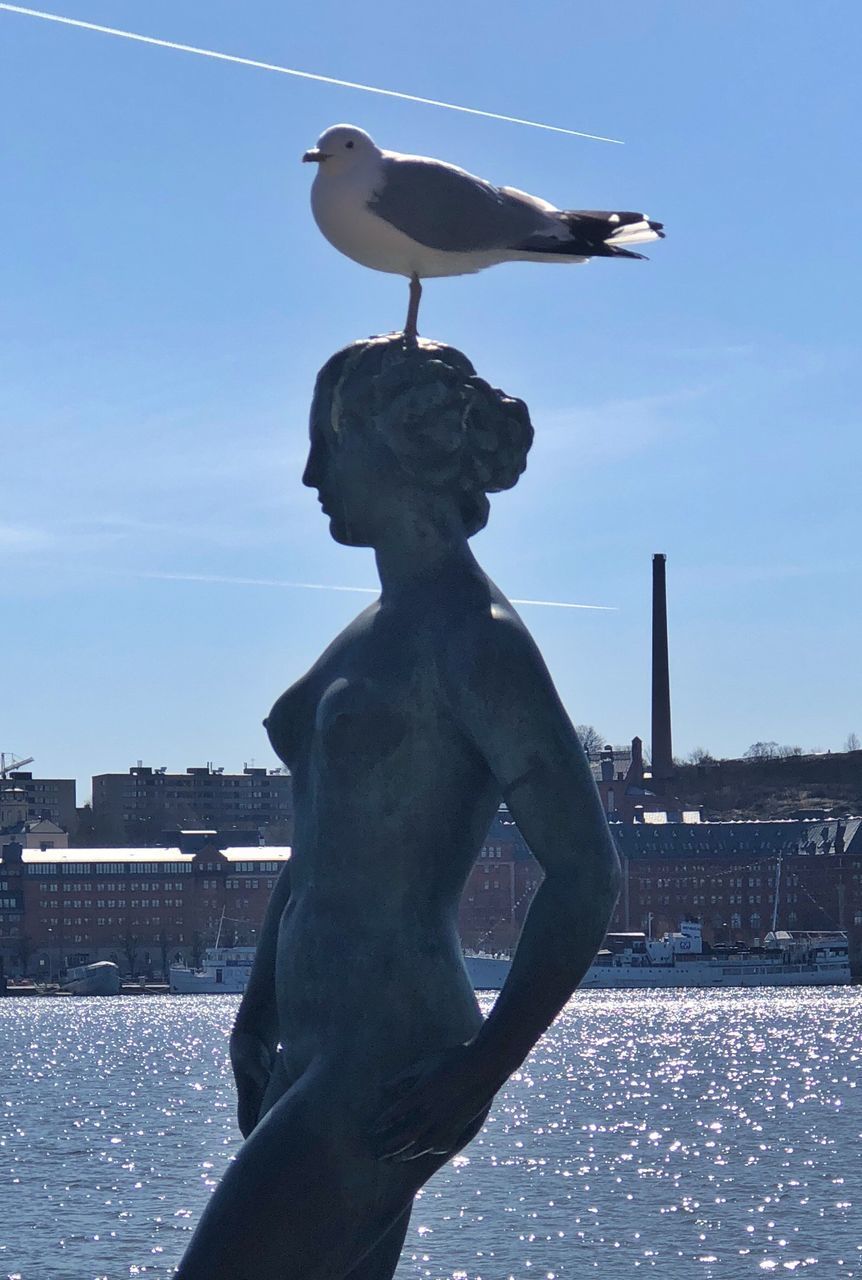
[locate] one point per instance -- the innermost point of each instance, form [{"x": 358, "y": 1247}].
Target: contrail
[
  {"x": 292, "y": 71},
  {"x": 329, "y": 586}
]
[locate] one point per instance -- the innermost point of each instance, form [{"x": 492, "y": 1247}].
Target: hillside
[{"x": 774, "y": 788}]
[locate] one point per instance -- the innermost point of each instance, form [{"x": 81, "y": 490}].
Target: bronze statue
[{"x": 361, "y": 1058}]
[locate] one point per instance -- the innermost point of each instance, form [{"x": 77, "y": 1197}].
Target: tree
[
  {"x": 23, "y": 951},
  {"x": 278, "y": 833},
  {"x": 852, "y": 743},
  {"x": 93, "y": 831},
  {"x": 700, "y": 755},
  {"x": 164, "y": 943},
  {"x": 130, "y": 950},
  {"x": 763, "y": 751},
  {"x": 591, "y": 740}
]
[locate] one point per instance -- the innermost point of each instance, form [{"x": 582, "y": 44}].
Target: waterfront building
[
  {"x": 727, "y": 874},
  {"x": 136, "y": 807},
  {"x": 722, "y": 873},
  {"x": 142, "y": 908}
]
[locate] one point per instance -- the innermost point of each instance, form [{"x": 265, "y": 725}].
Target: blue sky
[{"x": 167, "y": 300}]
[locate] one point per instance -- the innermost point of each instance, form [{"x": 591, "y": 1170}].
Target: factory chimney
[{"x": 662, "y": 751}]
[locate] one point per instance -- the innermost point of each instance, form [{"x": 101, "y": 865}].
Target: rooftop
[{"x": 264, "y": 853}]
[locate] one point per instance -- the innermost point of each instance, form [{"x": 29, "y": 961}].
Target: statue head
[{"x": 413, "y": 422}]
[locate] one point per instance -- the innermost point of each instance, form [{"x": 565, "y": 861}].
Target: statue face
[{"x": 350, "y": 477}]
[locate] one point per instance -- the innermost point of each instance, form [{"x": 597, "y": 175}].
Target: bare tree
[
  {"x": 762, "y": 751},
  {"x": 164, "y": 944},
  {"x": 130, "y": 951},
  {"x": 591, "y": 740},
  {"x": 23, "y": 951},
  {"x": 852, "y": 743},
  {"x": 700, "y": 755}
]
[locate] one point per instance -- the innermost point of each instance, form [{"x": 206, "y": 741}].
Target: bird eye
[{"x": 349, "y": 145}]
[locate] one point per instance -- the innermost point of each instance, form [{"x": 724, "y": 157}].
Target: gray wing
[{"x": 446, "y": 208}]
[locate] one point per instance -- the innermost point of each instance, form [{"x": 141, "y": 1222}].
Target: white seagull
[{"x": 417, "y": 217}]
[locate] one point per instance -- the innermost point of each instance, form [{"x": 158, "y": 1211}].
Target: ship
[
  {"x": 224, "y": 971},
  {"x": 486, "y": 972},
  {"x": 679, "y": 959},
  {"x": 635, "y": 961},
  {"x": 99, "y": 979}
]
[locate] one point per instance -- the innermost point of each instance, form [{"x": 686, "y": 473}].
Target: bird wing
[{"x": 445, "y": 208}]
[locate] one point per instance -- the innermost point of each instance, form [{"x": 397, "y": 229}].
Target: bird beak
[{"x": 314, "y": 156}]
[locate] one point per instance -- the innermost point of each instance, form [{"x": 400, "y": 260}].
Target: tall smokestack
[{"x": 662, "y": 751}]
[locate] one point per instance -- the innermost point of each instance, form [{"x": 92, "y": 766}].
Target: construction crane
[{"x": 8, "y": 763}]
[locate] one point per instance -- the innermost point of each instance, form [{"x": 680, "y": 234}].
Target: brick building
[
  {"x": 726, "y": 873},
  {"x": 142, "y": 907},
  {"x": 723, "y": 873},
  {"x": 139, "y": 907},
  {"x": 135, "y": 807}
]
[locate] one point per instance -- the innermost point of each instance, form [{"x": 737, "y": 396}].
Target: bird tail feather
[{"x": 595, "y": 233}]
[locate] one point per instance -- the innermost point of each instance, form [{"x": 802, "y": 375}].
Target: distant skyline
[{"x": 168, "y": 301}]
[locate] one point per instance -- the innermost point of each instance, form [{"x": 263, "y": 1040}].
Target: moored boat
[
  {"x": 635, "y": 961},
  {"x": 99, "y": 979},
  {"x": 486, "y": 972},
  {"x": 225, "y": 971}
]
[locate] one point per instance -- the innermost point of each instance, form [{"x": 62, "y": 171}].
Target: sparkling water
[{"x": 703, "y": 1133}]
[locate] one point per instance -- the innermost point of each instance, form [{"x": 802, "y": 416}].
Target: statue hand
[
  {"x": 440, "y": 1104},
  {"x": 252, "y": 1062}
]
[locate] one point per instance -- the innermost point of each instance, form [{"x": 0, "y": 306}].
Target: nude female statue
[{"x": 361, "y": 1058}]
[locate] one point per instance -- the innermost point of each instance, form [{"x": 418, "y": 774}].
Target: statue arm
[
  {"x": 254, "y": 1038},
  {"x": 507, "y": 703},
  {"x": 502, "y": 696}
]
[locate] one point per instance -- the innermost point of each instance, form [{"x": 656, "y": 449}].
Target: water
[{"x": 703, "y": 1134}]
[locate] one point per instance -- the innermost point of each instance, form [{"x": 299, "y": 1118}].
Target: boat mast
[
  {"x": 220, "y": 923},
  {"x": 775, "y": 900}
]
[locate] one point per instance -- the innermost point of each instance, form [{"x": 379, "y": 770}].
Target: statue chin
[{"x": 344, "y": 536}]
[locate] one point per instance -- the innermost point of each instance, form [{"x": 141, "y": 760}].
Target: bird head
[{"x": 341, "y": 147}]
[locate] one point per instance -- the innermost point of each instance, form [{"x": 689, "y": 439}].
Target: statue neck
[{"x": 423, "y": 551}]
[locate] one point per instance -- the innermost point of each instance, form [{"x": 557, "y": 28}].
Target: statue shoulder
[{"x": 485, "y": 645}]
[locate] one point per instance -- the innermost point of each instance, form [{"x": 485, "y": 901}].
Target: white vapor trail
[
  {"x": 328, "y": 586},
  {"x": 292, "y": 71}
]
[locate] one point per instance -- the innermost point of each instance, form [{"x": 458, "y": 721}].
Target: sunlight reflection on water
[{"x": 707, "y": 1133}]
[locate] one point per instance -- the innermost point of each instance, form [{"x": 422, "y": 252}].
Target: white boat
[
  {"x": 633, "y": 961},
  {"x": 487, "y": 973},
  {"x": 99, "y": 979},
  {"x": 225, "y": 971}
]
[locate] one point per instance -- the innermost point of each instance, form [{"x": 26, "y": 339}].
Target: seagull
[{"x": 417, "y": 217}]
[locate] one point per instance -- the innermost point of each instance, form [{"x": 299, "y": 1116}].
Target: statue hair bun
[{"x": 445, "y": 425}]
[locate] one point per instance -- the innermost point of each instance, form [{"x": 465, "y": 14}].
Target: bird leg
[{"x": 410, "y": 330}]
